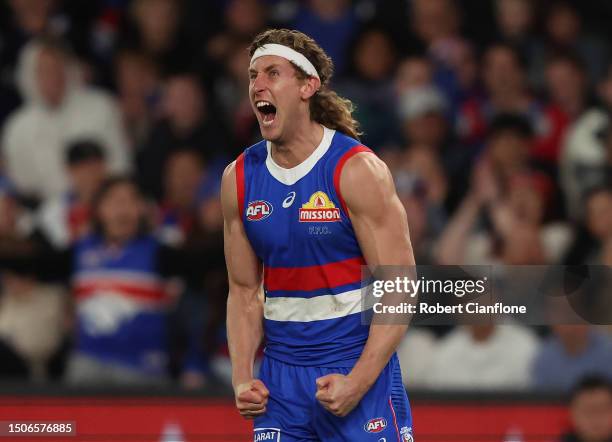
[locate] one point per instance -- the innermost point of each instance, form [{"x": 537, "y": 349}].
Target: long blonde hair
[{"x": 326, "y": 106}]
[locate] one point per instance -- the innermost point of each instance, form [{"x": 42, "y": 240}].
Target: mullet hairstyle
[{"x": 326, "y": 106}]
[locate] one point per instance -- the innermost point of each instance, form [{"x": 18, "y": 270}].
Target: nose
[{"x": 258, "y": 83}]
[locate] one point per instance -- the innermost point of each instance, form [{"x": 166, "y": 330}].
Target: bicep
[
  {"x": 243, "y": 266},
  {"x": 377, "y": 214}
]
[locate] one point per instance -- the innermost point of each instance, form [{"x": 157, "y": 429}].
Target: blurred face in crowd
[
  {"x": 502, "y": 72},
  {"x": 526, "y": 202},
  {"x": 508, "y": 151},
  {"x": 329, "y": 9},
  {"x": 245, "y": 17},
  {"x": 182, "y": 178},
  {"x": 514, "y": 17},
  {"x": 591, "y": 413},
  {"x": 32, "y": 15},
  {"x": 605, "y": 89},
  {"x": 135, "y": 74},
  {"x": 563, "y": 25},
  {"x": 374, "y": 56},
  {"x": 120, "y": 212},
  {"x": 412, "y": 73},
  {"x": 424, "y": 163},
  {"x": 599, "y": 214},
  {"x": 184, "y": 102},
  {"x": 273, "y": 81},
  {"x": 428, "y": 129},
  {"x": 211, "y": 216},
  {"x": 51, "y": 76},
  {"x": 434, "y": 19},
  {"x": 573, "y": 337},
  {"x": 8, "y": 214},
  {"x": 522, "y": 245},
  {"x": 157, "y": 21},
  {"x": 566, "y": 84},
  {"x": 87, "y": 176}
]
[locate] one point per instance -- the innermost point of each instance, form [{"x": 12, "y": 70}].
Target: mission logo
[{"x": 319, "y": 209}]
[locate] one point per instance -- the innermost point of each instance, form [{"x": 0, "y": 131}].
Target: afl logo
[
  {"x": 258, "y": 210},
  {"x": 375, "y": 425}
]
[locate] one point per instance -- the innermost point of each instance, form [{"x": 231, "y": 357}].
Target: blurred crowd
[{"x": 117, "y": 118}]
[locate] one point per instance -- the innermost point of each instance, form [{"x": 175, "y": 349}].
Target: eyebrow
[{"x": 267, "y": 69}]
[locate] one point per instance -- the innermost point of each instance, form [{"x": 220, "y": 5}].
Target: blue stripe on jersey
[{"x": 319, "y": 343}]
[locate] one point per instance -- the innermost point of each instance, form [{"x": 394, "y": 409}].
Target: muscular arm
[
  {"x": 381, "y": 226},
  {"x": 244, "y": 303},
  {"x": 380, "y": 223}
]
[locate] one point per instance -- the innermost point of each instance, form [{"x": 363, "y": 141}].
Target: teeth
[{"x": 263, "y": 103}]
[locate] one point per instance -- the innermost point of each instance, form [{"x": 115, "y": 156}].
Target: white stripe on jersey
[{"x": 314, "y": 309}]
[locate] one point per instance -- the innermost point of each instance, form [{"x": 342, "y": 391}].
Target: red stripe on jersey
[
  {"x": 240, "y": 184},
  {"x": 330, "y": 275},
  {"x": 338, "y": 171},
  {"x": 83, "y": 290}
]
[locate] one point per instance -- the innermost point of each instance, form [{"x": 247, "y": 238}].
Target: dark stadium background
[{"x": 493, "y": 116}]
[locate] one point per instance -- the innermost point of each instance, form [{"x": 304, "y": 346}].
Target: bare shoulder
[
  {"x": 366, "y": 182},
  {"x": 228, "y": 190},
  {"x": 365, "y": 166}
]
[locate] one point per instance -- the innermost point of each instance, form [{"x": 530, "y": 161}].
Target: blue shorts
[{"x": 294, "y": 414}]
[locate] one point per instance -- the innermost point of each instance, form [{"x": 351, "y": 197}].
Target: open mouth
[{"x": 267, "y": 111}]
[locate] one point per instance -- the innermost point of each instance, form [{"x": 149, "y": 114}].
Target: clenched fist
[{"x": 251, "y": 398}]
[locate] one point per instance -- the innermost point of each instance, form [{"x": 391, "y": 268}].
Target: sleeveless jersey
[{"x": 298, "y": 226}]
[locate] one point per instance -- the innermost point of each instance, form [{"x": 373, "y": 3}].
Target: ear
[{"x": 310, "y": 87}]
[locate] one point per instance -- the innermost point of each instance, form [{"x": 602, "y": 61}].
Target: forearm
[
  {"x": 244, "y": 333},
  {"x": 382, "y": 343}
]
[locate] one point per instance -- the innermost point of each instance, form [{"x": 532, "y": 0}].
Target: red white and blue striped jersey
[
  {"x": 121, "y": 303},
  {"x": 299, "y": 227}
]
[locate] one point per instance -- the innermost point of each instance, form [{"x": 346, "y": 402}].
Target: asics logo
[{"x": 287, "y": 202}]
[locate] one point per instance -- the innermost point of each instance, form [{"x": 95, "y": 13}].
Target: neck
[{"x": 302, "y": 144}]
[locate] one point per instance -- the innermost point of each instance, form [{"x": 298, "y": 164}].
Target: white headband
[{"x": 288, "y": 54}]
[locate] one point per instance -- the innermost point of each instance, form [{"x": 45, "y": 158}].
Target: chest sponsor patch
[
  {"x": 319, "y": 209},
  {"x": 258, "y": 210}
]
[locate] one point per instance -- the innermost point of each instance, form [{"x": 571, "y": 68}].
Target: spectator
[
  {"x": 596, "y": 229},
  {"x": 58, "y": 109},
  {"x": 516, "y": 22},
  {"x": 483, "y": 357},
  {"x": 332, "y": 23},
  {"x": 232, "y": 93},
  {"x": 506, "y": 90},
  {"x": 564, "y": 32},
  {"x": 183, "y": 174},
  {"x": 412, "y": 73},
  {"x": 244, "y": 19},
  {"x": 138, "y": 89},
  {"x": 370, "y": 89},
  {"x": 422, "y": 111},
  {"x": 591, "y": 411},
  {"x": 32, "y": 313},
  {"x": 570, "y": 353},
  {"x": 425, "y": 216},
  {"x": 155, "y": 29},
  {"x": 567, "y": 94},
  {"x": 122, "y": 302},
  {"x": 64, "y": 219},
  {"x": 187, "y": 121},
  {"x": 585, "y": 156}
]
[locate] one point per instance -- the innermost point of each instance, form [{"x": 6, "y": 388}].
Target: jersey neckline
[{"x": 294, "y": 174}]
